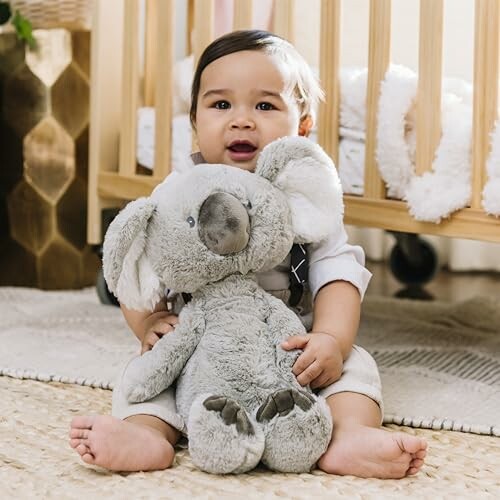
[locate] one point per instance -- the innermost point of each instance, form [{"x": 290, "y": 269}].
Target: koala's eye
[
  {"x": 249, "y": 205},
  {"x": 191, "y": 221}
]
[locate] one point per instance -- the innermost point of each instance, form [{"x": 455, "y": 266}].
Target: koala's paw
[
  {"x": 231, "y": 412},
  {"x": 282, "y": 402},
  {"x": 135, "y": 383}
]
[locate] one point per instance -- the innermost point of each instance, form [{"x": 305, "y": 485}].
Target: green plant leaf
[
  {"x": 5, "y": 12},
  {"x": 24, "y": 29}
]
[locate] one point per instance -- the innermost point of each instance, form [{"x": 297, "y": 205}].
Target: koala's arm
[{"x": 150, "y": 374}]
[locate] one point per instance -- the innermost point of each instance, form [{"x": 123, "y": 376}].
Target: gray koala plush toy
[{"x": 207, "y": 232}]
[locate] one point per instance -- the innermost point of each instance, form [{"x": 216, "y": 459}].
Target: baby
[{"x": 250, "y": 88}]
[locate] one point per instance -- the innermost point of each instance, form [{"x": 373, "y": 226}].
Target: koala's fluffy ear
[
  {"x": 307, "y": 176},
  {"x": 127, "y": 270}
]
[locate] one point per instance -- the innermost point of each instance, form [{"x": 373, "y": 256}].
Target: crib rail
[
  {"x": 373, "y": 209},
  {"x": 117, "y": 94}
]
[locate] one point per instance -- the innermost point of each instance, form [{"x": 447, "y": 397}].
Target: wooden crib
[{"x": 117, "y": 92}]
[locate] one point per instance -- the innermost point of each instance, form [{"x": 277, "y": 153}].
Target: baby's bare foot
[
  {"x": 370, "y": 452},
  {"x": 119, "y": 445}
]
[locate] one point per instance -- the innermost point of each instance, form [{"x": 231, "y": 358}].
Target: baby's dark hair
[{"x": 305, "y": 85}]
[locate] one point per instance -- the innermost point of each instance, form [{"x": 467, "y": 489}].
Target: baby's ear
[
  {"x": 307, "y": 176},
  {"x": 127, "y": 270}
]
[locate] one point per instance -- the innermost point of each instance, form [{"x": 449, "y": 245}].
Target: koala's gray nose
[{"x": 223, "y": 224}]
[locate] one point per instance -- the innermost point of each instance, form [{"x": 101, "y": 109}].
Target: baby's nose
[
  {"x": 224, "y": 224},
  {"x": 242, "y": 121}
]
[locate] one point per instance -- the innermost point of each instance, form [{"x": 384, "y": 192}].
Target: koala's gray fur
[{"x": 235, "y": 386}]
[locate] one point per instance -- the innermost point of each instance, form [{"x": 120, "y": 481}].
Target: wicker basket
[{"x": 45, "y": 14}]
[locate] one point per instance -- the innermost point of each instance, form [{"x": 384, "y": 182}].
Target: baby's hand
[
  {"x": 155, "y": 331},
  {"x": 321, "y": 362}
]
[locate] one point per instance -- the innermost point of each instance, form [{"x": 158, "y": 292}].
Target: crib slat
[
  {"x": 203, "y": 26},
  {"x": 379, "y": 53},
  {"x": 150, "y": 49},
  {"x": 242, "y": 17},
  {"x": 429, "y": 83},
  {"x": 328, "y": 117},
  {"x": 106, "y": 42},
  {"x": 130, "y": 88},
  {"x": 486, "y": 53},
  {"x": 284, "y": 19},
  {"x": 164, "y": 87}
]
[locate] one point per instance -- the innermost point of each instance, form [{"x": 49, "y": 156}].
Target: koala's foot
[
  {"x": 222, "y": 437},
  {"x": 283, "y": 402},
  {"x": 231, "y": 412},
  {"x": 298, "y": 428}
]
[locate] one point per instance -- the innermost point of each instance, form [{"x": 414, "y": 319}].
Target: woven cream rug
[
  {"x": 46, "y": 336},
  {"x": 440, "y": 363},
  {"x": 37, "y": 462}
]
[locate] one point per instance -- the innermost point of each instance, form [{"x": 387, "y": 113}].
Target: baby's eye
[
  {"x": 265, "y": 106},
  {"x": 221, "y": 105},
  {"x": 190, "y": 221}
]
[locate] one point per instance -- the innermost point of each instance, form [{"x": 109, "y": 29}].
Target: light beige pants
[{"x": 360, "y": 375}]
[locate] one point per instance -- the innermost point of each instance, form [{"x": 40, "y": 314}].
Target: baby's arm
[
  {"x": 150, "y": 326},
  {"x": 337, "y": 312},
  {"x": 328, "y": 345},
  {"x": 338, "y": 280}
]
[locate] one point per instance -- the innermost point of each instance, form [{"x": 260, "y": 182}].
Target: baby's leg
[
  {"x": 138, "y": 443},
  {"x": 137, "y": 437},
  {"x": 359, "y": 446}
]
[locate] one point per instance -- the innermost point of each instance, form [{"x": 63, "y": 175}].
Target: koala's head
[{"x": 214, "y": 220}]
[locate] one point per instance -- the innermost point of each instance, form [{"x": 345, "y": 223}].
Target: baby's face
[{"x": 243, "y": 105}]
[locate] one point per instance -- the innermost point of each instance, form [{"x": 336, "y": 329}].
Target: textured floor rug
[{"x": 440, "y": 363}]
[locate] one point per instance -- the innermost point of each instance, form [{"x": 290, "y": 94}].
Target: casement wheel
[
  {"x": 413, "y": 261},
  {"x": 105, "y": 296}
]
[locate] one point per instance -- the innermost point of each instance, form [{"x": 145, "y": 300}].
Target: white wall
[{"x": 457, "y": 43}]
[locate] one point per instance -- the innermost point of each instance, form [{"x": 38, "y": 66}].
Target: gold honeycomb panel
[
  {"x": 52, "y": 56},
  {"x": 25, "y": 100},
  {"x": 49, "y": 158},
  {"x": 11, "y": 54},
  {"x": 81, "y": 51},
  {"x": 70, "y": 100},
  {"x": 82, "y": 155},
  {"x": 71, "y": 212},
  {"x": 44, "y": 122},
  {"x": 31, "y": 218},
  {"x": 60, "y": 265},
  {"x": 17, "y": 265}
]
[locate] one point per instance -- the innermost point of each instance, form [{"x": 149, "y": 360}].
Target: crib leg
[{"x": 413, "y": 262}]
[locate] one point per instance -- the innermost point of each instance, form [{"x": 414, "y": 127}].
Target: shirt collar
[{"x": 197, "y": 158}]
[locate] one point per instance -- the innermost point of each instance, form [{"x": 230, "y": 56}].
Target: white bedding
[{"x": 451, "y": 168}]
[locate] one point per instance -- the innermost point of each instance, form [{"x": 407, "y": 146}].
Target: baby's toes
[
  {"x": 415, "y": 466},
  {"x": 420, "y": 454},
  {"x": 74, "y": 442},
  {"x": 82, "y": 449},
  {"x": 79, "y": 433},
  {"x": 88, "y": 458},
  {"x": 416, "y": 463},
  {"x": 412, "y": 471}
]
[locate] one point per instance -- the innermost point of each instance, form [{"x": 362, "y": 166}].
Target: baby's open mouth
[{"x": 242, "y": 147}]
